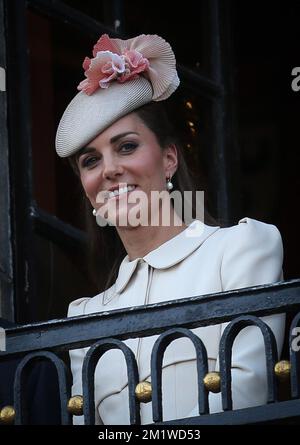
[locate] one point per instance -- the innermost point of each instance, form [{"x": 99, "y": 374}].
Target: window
[{"x": 43, "y": 266}]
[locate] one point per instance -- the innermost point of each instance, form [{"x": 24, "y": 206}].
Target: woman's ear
[{"x": 170, "y": 160}]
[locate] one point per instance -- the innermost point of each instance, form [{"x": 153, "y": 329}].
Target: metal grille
[{"x": 171, "y": 320}]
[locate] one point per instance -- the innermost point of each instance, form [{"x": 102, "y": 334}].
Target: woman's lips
[
  {"x": 124, "y": 190},
  {"x": 103, "y": 197}
]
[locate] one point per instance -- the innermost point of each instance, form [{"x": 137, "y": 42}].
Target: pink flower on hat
[
  {"x": 107, "y": 66},
  {"x": 101, "y": 70},
  {"x": 135, "y": 63},
  {"x": 123, "y": 60}
]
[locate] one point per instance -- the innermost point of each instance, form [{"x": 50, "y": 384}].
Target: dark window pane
[
  {"x": 184, "y": 27},
  {"x": 56, "y": 52},
  {"x": 60, "y": 278},
  {"x": 191, "y": 115},
  {"x": 97, "y": 10}
]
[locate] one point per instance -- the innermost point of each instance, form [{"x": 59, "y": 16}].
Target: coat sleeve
[
  {"x": 252, "y": 256},
  {"x": 77, "y": 308}
]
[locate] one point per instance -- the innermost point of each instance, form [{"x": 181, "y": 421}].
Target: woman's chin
[{"x": 124, "y": 214}]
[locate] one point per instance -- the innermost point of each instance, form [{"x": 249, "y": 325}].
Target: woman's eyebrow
[
  {"x": 121, "y": 135},
  {"x": 85, "y": 150},
  {"x": 114, "y": 139}
]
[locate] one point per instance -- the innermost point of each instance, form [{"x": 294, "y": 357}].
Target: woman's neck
[{"x": 139, "y": 241}]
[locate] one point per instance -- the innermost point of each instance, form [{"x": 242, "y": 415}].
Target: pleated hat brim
[{"x": 87, "y": 116}]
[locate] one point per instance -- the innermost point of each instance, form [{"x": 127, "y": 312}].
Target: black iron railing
[{"x": 170, "y": 320}]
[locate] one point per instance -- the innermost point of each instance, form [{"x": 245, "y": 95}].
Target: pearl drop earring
[
  {"x": 94, "y": 212},
  {"x": 169, "y": 184}
]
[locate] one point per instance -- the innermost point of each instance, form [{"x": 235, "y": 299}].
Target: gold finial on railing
[
  {"x": 212, "y": 381},
  {"x": 7, "y": 415},
  {"x": 75, "y": 405},
  {"x": 282, "y": 370},
  {"x": 143, "y": 392}
]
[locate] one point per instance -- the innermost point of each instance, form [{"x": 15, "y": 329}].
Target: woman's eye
[
  {"x": 89, "y": 161},
  {"x": 128, "y": 146}
]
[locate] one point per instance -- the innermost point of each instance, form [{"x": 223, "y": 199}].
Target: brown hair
[{"x": 106, "y": 250}]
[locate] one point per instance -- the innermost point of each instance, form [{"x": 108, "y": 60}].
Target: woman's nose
[{"x": 112, "y": 167}]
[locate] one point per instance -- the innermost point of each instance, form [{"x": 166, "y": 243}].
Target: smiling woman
[
  {"x": 123, "y": 148},
  {"x": 122, "y": 164},
  {"x": 127, "y": 147}
]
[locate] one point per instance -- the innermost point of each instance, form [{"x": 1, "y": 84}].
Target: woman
[{"x": 119, "y": 143}]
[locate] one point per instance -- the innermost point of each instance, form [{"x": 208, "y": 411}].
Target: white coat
[{"x": 200, "y": 260}]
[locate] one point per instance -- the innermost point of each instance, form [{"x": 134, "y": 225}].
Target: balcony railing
[{"x": 170, "y": 320}]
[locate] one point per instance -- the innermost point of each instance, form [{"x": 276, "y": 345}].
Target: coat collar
[{"x": 169, "y": 253}]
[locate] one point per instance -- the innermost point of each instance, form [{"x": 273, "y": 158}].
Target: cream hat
[{"x": 122, "y": 76}]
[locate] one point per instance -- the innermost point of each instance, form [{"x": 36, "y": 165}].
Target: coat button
[{"x": 143, "y": 392}]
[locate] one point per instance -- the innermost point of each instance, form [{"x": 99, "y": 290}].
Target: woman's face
[{"x": 125, "y": 156}]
